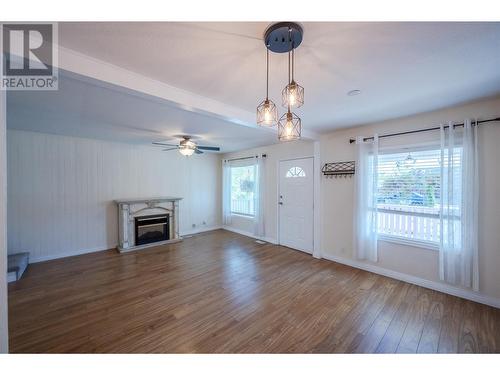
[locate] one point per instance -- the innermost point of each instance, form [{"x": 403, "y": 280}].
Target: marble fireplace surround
[{"x": 129, "y": 209}]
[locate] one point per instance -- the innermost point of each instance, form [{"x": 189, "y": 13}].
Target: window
[
  {"x": 295, "y": 172},
  {"x": 408, "y": 196},
  {"x": 243, "y": 190}
]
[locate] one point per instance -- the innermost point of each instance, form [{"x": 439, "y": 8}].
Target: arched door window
[{"x": 295, "y": 172}]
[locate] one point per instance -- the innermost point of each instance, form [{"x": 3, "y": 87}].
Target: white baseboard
[
  {"x": 35, "y": 259},
  {"x": 200, "y": 230},
  {"x": 248, "y": 234},
  {"x": 434, "y": 285}
]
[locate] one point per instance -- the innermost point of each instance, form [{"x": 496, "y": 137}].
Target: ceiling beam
[
  {"x": 84, "y": 65},
  {"x": 109, "y": 75}
]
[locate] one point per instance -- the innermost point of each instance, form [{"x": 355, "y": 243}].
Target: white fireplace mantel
[{"x": 129, "y": 209}]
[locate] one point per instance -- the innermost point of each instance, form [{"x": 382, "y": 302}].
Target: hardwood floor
[{"x": 222, "y": 292}]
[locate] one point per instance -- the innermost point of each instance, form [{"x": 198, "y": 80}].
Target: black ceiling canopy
[{"x": 282, "y": 37}]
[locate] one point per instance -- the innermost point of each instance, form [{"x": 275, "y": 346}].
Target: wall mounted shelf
[{"x": 339, "y": 169}]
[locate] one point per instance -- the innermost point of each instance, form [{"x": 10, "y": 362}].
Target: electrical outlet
[
  {"x": 204, "y": 222},
  {"x": 194, "y": 225}
]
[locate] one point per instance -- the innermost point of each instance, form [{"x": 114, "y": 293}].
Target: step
[{"x": 17, "y": 264}]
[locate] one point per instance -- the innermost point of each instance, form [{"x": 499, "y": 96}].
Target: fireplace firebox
[{"x": 152, "y": 228}]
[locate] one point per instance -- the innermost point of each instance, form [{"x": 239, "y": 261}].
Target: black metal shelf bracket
[{"x": 339, "y": 169}]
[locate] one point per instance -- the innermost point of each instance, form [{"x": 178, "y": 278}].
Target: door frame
[{"x": 314, "y": 180}]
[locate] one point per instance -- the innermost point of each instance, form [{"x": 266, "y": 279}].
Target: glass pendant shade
[
  {"x": 267, "y": 113},
  {"x": 293, "y": 95},
  {"x": 289, "y": 127}
]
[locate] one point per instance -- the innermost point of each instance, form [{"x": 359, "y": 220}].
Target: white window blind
[{"x": 409, "y": 195}]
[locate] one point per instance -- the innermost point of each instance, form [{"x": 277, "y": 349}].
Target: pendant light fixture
[
  {"x": 290, "y": 125},
  {"x": 267, "y": 113},
  {"x": 283, "y": 37},
  {"x": 293, "y": 94}
]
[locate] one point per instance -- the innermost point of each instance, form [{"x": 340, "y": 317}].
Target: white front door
[{"x": 295, "y": 199}]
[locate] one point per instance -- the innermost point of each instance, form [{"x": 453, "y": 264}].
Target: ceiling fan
[{"x": 187, "y": 147}]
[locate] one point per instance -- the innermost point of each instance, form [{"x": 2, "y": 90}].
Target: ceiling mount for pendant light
[
  {"x": 282, "y": 37},
  {"x": 267, "y": 113}
]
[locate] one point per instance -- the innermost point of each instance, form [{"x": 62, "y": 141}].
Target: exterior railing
[
  {"x": 243, "y": 206},
  {"x": 409, "y": 222}
]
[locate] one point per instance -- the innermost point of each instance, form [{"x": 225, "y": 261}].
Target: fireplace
[
  {"x": 146, "y": 222},
  {"x": 152, "y": 228}
]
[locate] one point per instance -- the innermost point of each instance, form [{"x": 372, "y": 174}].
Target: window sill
[
  {"x": 242, "y": 215},
  {"x": 409, "y": 242}
]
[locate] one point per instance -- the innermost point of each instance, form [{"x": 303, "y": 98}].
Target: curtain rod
[
  {"x": 247, "y": 157},
  {"x": 424, "y": 130}
]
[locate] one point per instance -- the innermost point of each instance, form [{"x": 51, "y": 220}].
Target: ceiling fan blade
[
  {"x": 209, "y": 148},
  {"x": 171, "y": 148},
  {"x": 197, "y": 151},
  {"x": 164, "y": 144}
]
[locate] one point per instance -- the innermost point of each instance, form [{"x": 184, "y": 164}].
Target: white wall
[
  {"x": 274, "y": 153},
  {"x": 337, "y": 196},
  {"x": 4, "y": 334},
  {"x": 61, "y": 190}
]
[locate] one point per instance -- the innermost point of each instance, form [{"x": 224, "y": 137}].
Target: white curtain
[
  {"x": 458, "y": 253},
  {"x": 226, "y": 192},
  {"x": 365, "y": 216},
  {"x": 259, "y": 196}
]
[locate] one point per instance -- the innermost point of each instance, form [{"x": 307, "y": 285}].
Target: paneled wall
[{"x": 61, "y": 190}]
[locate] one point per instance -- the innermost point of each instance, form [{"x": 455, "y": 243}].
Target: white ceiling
[
  {"x": 83, "y": 107},
  {"x": 401, "y": 68}
]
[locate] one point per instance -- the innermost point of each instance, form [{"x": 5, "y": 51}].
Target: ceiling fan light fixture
[
  {"x": 289, "y": 127},
  {"x": 187, "y": 147},
  {"x": 186, "y": 151}
]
